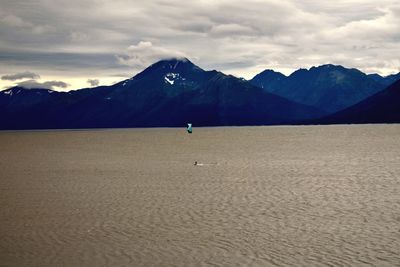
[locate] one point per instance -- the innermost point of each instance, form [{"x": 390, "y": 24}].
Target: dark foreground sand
[{"x": 266, "y": 196}]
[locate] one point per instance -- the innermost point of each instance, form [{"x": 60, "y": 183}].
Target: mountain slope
[
  {"x": 386, "y": 80},
  {"x": 383, "y": 107},
  {"x": 168, "y": 93},
  {"x": 327, "y": 87}
]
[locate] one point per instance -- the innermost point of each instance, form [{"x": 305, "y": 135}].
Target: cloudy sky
[{"x": 70, "y": 44}]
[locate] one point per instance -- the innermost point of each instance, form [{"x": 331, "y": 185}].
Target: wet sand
[{"x": 264, "y": 196}]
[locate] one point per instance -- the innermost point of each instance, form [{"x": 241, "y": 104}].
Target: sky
[{"x": 72, "y": 44}]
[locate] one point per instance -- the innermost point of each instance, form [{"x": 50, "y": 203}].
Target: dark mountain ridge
[{"x": 169, "y": 93}]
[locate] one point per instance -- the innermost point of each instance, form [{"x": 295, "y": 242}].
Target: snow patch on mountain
[
  {"x": 171, "y": 77},
  {"x": 168, "y": 80},
  {"x": 8, "y": 92}
]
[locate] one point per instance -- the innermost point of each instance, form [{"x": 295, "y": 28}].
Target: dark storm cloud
[
  {"x": 241, "y": 36},
  {"x": 45, "y": 85},
  {"x": 20, "y": 75},
  {"x": 70, "y": 60},
  {"x": 93, "y": 82}
]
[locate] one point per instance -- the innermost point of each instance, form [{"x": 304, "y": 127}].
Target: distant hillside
[
  {"x": 328, "y": 87},
  {"x": 383, "y": 107}
]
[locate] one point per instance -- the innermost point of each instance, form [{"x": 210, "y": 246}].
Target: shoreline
[{"x": 195, "y": 127}]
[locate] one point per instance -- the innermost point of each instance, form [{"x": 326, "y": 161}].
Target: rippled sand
[{"x": 265, "y": 196}]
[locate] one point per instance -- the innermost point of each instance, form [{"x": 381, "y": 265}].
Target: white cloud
[
  {"x": 232, "y": 29},
  {"x": 17, "y": 22},
  {"x": 145, "y": 53}
]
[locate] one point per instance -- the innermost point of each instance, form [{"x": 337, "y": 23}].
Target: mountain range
[
  {"x": 169, "y": 93},
  {"x": 173, "y": 92}
]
